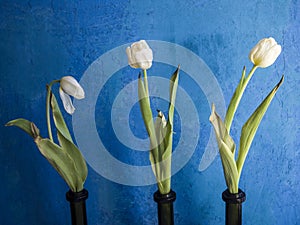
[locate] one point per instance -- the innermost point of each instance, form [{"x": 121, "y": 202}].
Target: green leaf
[
  {"x": 250, "y": 127},
  {"x": 145, "y": 107},
  {"x": 173, "y": 91},
  {"x": 227, "y": 151},
  {"x": 61, "y": 161},
  {"x": 148, "y": 121},
  {"x": 160, "y": 133},
  {"x": 59, "y": 121},
  {"x": 25, "y": 125},
  {"x": 163, "y": 164},
  {"x": 229, "y": 168},
  {"x": 234, "y": 102},
  {"x": 76, "y": 156}
]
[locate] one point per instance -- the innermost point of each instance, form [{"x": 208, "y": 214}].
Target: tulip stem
[
  {"x": 237, "y": 97},
  {"x": 146, "y": 82},
  {"x": 48, "y": 99}
]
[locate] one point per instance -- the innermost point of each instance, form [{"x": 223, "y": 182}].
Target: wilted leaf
[
  {"x": 25, "y": 125},
  {"x": 59, "y": 121},
  {"x": 75, "y": 154},
  {"x": 61, "y": 161}
]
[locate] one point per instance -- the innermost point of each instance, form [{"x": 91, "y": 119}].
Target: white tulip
[
  {"x": 70, "y": 87},
  {"x": 265, "y": 52},
  {"x": 139, "y": 55}
]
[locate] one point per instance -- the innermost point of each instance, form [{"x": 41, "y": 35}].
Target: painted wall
[{"x": 44, "y": 40}]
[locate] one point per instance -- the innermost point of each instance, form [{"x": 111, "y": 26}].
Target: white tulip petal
[
  {"x": 67, "y": 102},
  {"x": 72, "y": 87},
  {"x": 139, "y": 55},
  {"x": 265, "y": 52}
]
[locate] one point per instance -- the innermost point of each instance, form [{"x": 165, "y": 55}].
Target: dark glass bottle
[
  {"x": 233, "y": 212},
  {"x": 165, "y": 207},
  {"x": 77, "y": 206}
]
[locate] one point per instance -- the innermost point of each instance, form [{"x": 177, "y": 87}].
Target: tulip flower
[
  {"x": 265, "y": 52},
  {"x": 64, "y": 156},
  {"x": 160, "y": 132},
  {"x": 139, "y": 55},
  {"x": 262, "y": 55},
  {"x": 70, "y": 87}
]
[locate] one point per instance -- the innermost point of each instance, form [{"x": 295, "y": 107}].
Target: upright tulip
[
  {"x": 265, "y": 52},
  {"x": 70, "y": 87},
  {"x": 262, "y": 55},
  {"x": 139, "y": 55}
]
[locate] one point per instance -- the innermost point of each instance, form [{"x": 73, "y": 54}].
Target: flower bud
[
  {"x": 265, "y": 52},
  {"x": 139, "y": 55}
]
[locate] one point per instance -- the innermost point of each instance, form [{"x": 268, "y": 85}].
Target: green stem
[
  {"x": 146, "y": 82},
  {"x": 48, "y": 99},
  {"x": 237, "y": 98}
]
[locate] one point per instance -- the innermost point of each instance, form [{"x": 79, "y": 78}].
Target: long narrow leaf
[
  {"x": 76, "y": 156},
  {"x": 235, "y": 99},
  {"x": 250, "y": 127},
  {"x": 59, "y": 121},
  {"x": 227, "y": 150},
  {"x": 163, "y": 150},
  {"x": 229, "y": 168},
  {"x": 61, "y": 161},
  {"x": 148, "y": 121},
  {"x": 221, "y": 131},
  {"x": 23, "y": 124},
  {"x": 173, "y": 91}
]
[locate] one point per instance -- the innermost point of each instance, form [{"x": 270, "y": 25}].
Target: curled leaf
[{"x": 25, "y": 125}]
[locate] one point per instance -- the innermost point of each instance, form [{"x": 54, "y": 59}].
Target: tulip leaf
[
  {"x": 164, "y": 165},
  {"x": 75, "y": 154},
  {"x": 227, "y": 151},
  {"x": 173, "y": 91},
  {"x": 25, "y": 125},
  {"x": 145, "y": 107},
  {"x": 160, "y": 128},
  {"x": 229, "y": 168},
  {"x": 61, "y": 161},
  {"x": 148, "y": 121},
  {"x": 59, "y": 120},
  {"x": 250, "y": 127},
  {"x": 236, "y": 97}
]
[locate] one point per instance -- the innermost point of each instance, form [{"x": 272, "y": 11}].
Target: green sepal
[{"x": 250, "y": 127}]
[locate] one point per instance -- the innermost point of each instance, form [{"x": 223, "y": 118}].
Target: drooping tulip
[
  {"x": 70, "y": 87},
  {"x": 265, "y": 52}
]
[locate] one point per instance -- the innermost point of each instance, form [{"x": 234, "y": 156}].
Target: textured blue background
[{"x": 44, "y": 40}]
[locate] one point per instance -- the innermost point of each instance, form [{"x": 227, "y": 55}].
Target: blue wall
[{"x": 44, "y": 40}]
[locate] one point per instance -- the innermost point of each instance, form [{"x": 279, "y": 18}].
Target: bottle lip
[
  {"x": 77, "y": 196},
  {"x": 236, "y": 198},
  {"x": 164, "y": 198}
]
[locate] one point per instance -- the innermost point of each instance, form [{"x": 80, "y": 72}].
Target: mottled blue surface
[{"x": 44, "y": 40}]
